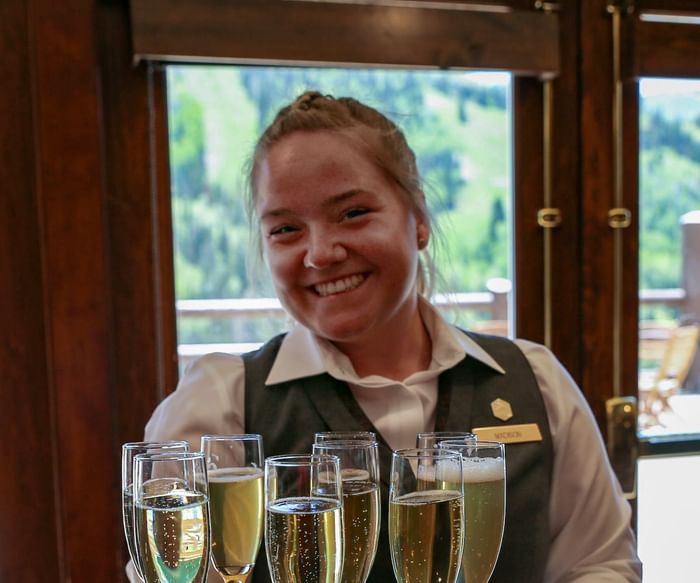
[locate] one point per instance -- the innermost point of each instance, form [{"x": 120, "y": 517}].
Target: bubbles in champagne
[
  {"x": 236, "y": 509},
  {"x": 360, "y": 526},
  {"x": 304, "y": 540},
  {"x": 426, "y": 535},
  {"x": 173, "y": 536}
]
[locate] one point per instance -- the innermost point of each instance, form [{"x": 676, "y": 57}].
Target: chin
[{"x": 342, "y": 332}]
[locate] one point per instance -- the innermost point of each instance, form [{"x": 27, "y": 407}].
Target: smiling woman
[
  {"x": 329, "y": 216},
  {"x": 337, "y": 197},
  {"x": 458, "y": 125}
]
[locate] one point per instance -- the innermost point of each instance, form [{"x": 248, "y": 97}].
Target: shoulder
[
  {"x": 216, "y": 366},
  {"x": 566, "y": 405},
  {"x": 205, "y": 401}
]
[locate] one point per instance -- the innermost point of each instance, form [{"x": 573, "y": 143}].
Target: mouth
[{"x": 338, "y": 286}]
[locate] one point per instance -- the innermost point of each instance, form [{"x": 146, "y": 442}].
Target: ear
[{"x": 422, "y": 235}]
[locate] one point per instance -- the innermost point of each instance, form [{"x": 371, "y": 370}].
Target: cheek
[{"x": 283, "y": 263}]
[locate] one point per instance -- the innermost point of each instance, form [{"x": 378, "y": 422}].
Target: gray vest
[{"x": 288, "y": 414}]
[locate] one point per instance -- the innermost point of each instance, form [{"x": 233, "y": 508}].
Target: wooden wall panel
[
  {"x": 27, "y": 491},
  {"x": 89, "y": 340},
  {"x": 528, "y": 180},
  {"x": 353, "y": 34},
  {"x": 70, "y": 189},
  {"x": 598, "y": 238},
  {"x": 138, "y": 227},
  {"x": 662, "y": 49},
  {"x": 566, "y": 156},
  {"x": 597, "y": 198}
]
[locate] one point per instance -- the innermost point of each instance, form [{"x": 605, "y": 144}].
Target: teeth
[{"x": 335, "y": 287}]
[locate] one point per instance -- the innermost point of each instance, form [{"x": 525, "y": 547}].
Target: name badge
[{"x": 510, "y": 433}]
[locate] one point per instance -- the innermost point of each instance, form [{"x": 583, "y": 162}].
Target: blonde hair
[{"x": 376, "y": 135}]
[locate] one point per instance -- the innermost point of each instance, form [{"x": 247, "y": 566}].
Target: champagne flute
[
  {"x": 432, "y": 438},
  {"x": 171, "y": 516},
  {"x": 484, "y": 476},
  {"x": 426, "y": 515},
  {"x": 129, "y": 450},
  {"x": 303, "y": 518},
  {"x": 359, "y": 471},
  {"x": 321, "y": 436},
  {"x": 235, "y": 474}
]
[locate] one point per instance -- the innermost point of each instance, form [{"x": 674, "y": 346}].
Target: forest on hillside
[{"x": 459, "y": 127}]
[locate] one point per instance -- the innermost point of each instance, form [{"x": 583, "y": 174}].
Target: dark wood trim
[
  {"x": 566, "y": 250},
  {"x": 70, "y": 191},
  {"x": 596, "y": 199},
  {"x": 630, "y": 241},
  {"x": 164, "y": 268},
  {"x": 31, "y": 525},
  {"x": 666, "y": 50},
  {"x": 139, "y": 241},
  {"x": 527, "y": 200},
  {"x": 667, "y": 6},
  {"x": 483, "y": 4},
  {"x": 351, "y": 34}
]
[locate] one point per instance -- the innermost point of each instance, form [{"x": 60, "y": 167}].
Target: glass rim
[
  {"x": 372, "y": 434},
  {"x": 232, "y": 437},
  {"x": 348, "y": 444},
  {"x": 293, "y": 459},
  {"x": 171, "y": 456},
  {"x": 477, "y": 444},
  {"x": 425, "y": 452},
  {"x": 432, "y": 433},
  {"x": 129, "y": 445}
]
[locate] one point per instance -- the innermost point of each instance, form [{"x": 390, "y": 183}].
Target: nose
[{"x": 323, "y": 251}]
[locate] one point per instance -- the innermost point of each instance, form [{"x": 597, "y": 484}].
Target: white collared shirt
[
  {"x": 398, "y": 409},
  {"x": 589, "y": 518}
]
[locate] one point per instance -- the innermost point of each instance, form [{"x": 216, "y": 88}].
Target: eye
[
  {"x": 282, "y": 230},
  {"x": 355, "y": 212}
]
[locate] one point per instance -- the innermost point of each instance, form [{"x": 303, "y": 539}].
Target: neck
[{"x": 395, "y": 356}]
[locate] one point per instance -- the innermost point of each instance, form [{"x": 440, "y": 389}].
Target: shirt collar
[{"x": 303, "y": 354}]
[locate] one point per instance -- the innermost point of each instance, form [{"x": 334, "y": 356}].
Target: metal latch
[{"x": 623, "y": 450}]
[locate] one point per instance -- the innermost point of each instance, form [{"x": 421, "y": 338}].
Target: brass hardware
[
  {"x": 620, "y": 7},
  {"x": 619, "y": 218},
  {"x": 621, "y": 414},
  {"x": 547, "y": 6},
  {"x": 549, "y": 217}
]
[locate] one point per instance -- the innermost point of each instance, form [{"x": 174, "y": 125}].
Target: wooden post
[
  {"x": 690, "y": 225},
  {"x": 500, "y": 288}
]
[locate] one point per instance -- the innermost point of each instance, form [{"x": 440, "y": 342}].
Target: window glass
[
  {"x": 669, "y": 255},
  {"x": 459, "y": 125}
]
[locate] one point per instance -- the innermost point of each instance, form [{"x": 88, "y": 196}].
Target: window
[
  {"x": 669, "y": 256},
  {"x": 459, "y": 125}
]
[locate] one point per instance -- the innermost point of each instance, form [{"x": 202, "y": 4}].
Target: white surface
[{"x": 668, "y": 519}]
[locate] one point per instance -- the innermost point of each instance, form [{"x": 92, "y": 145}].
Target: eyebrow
[{"x": 329, "y": 203}]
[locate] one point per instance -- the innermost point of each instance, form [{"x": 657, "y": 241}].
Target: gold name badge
[{"x": 510, "y": 433}]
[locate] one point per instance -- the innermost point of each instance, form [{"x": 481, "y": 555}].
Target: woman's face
[{"x": 339, "y": 239}]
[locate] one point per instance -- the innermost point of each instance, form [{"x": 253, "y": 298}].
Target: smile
[{"x": 341, "y": 285}]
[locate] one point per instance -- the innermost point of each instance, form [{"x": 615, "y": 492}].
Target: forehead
[{"x": 317, "y": 163}]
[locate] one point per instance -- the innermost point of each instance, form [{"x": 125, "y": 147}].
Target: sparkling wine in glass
[
  {"x": 129, "y": 451},
  {"x": 236, "y": 502},
  {"x": 303, "y": 518},
  {"x": 171, "y": 516},
  {"x": 432, "y": 438},
  {"x": 484, "y": 477},
  {"x": 426, "y": 515},
  {"x": 321, "y": 436},
  {"x": 359, "y": 471}
]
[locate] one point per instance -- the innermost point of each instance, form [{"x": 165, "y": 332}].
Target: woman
[{"x": 343, "y": 222}]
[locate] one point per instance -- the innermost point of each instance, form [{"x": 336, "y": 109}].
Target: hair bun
[{"x": 306, "y": 100}]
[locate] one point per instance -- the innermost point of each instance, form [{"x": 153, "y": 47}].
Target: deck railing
[{"x": 494, "y": 303}]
